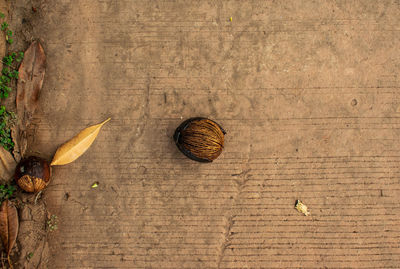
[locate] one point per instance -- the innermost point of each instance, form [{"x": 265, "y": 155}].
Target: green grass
[
  {"x": 8, "y": 74},
  {"x": 5, "y": 131},
  {"x": 29, "y": 256},
  {"x": 6, "y": 192}
]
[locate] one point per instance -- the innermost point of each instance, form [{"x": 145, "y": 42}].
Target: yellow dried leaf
[
  {"x": 302, "y": 208},
  {"x": 74, "y": 148}
]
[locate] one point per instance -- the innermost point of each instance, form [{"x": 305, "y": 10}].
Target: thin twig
[
  {"x": 2, "y": 261},
  {"x": 9, "y": 262},
  {"x": 37, "y": 196}
]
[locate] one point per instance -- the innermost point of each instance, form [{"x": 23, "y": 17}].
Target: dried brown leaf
[
  {"x": 30, "y": 82},
  {"x": 7, "y": 164},
  {"x": 9, "y": 225},
  {"x": 74, "y": 148},
  {"x": 20, "y": 140}
]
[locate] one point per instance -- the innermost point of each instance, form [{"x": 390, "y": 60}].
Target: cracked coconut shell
[{"x": 32, "y": 174}]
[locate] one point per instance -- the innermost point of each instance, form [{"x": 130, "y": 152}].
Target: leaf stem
[{"x": 9, "y": 261}]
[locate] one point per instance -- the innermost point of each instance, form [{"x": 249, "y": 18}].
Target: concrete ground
[{"x": 308, "y": 92}]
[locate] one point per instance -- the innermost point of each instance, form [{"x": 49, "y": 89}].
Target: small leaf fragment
[
  {"x": 8, "y": 227},
  {"x": 302, "y": 208},
  {"x": 7, "y": 164},
  {"x": 74, "y": 148},
  {"x": 95, "y": 185}
]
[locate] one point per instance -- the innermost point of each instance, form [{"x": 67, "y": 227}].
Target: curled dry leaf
[
  {"x": 7, "y": 164},
  {"x": 302, "y": 208},
  {"x": 30, "y": 82},
  {"x": 8, "y": 227},
  {"x": 74, "y": 148}
]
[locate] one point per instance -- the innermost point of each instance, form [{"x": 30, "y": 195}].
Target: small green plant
[
  {"x": 4, "y": 27},
  {"x": 29, "y": 256},
  {"x": 20, "y": 57},
  {"x": 5, "y": 132},
  {"x": 8, "y": 60},
  {"x": 8, "y": 32},
  {"x": 52, "y": 223},
  {"x": 9, "y": 73},
  {"x": 6, "y": 191}
]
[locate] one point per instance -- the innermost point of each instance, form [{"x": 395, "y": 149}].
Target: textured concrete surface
[{"x": 308, "y": 92}]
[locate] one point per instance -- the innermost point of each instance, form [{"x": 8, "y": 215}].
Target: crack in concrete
[
  {"x": 230, "y": 220},
  {"x": 146, "y": 115}
]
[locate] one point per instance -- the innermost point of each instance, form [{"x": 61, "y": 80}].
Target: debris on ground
[{"x": 302, "y": 208}]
